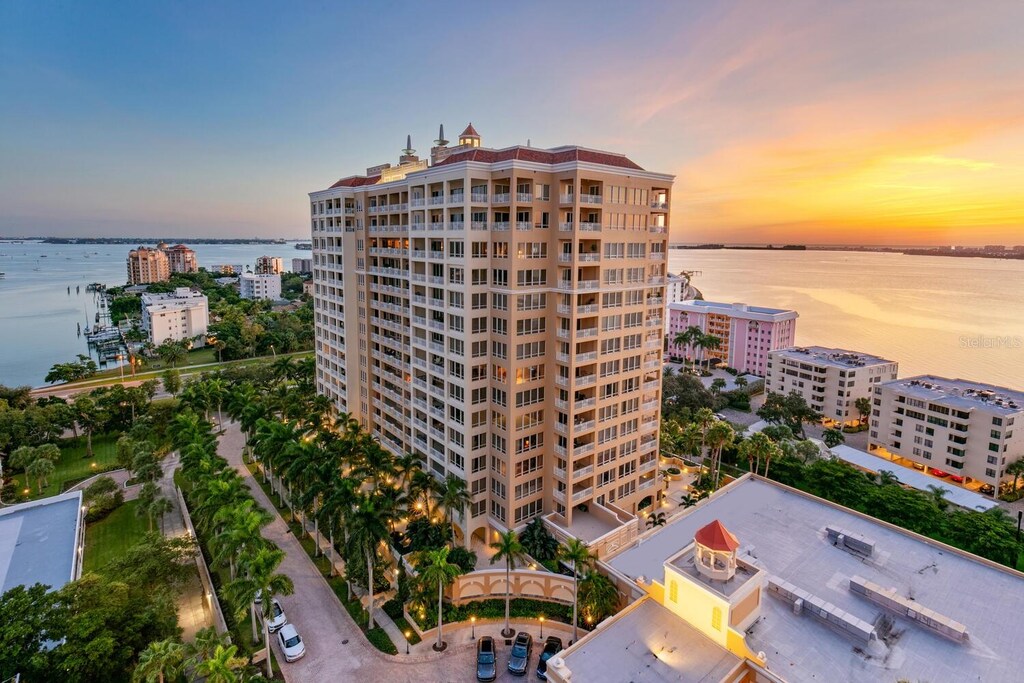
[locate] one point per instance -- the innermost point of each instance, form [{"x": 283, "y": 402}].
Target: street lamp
[
  {"x": 472, "y": 620},
  {"x": 542, "y": 627},
  {"x": 408, "y": 635}
]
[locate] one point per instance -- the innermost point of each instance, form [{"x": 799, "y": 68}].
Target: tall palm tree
[
  {"x": 756, "y": 448},
  {"x": 161, "y": 659},
  {"x": 686, "y": 339},
  {"x": 454, "y": 497},
  {"x": 160, "y": 507},
  {"x": 239, "y": 531},
  {"x": 217, "y": 394},
  {"x": 578, "y": 554},
  {"x": 435, "y": 568},
  {"x": 424, "y": 490},
  {"x": 368, "y": 528},
  {"x": 720, "y": 435},
  {"x": 508, "y": 548},
  {"x": 337, "y": 506},
  {"x": 704, "y": 418},
  {"x": 405, "y": 466},
  {"x": 259, "y": 578},
  {"x": 598, "y": 596},
  {"x": 707, "y": 342}
]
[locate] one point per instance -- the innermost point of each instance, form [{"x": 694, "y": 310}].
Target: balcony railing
[
  {"x": 590, "y": 227},
  {"x": 582, "y": 472},
  {"x": 417, "y": 201},
  {"x": 581, "y": 495},
  {"x": 566, "y": 227},
  {"x": 436, "y": 201},
  {"x": 478, "y": 197},
  {"x": 565, "y": 199},
  {"x": 501, "y": 226},
  {"x": 523, "y": 225},
  {"x": 591, "y": 199},
  {"x": 524, "y": 197},
  {"x": 502, "y": 198},
  {"x": 478, "y": 225},
  {"x": 661, "y": 206}
]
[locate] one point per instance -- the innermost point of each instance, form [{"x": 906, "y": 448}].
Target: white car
[
  {"x": 291, "y": 644},
  {"x": 277, "y": 617}
]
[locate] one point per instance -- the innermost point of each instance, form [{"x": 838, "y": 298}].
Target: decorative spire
[
  {"x": 408, "y": 151},
  {"x": 440, "y": 141}
]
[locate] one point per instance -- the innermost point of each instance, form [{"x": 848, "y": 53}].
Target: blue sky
[{"x": 217, "y": 118}]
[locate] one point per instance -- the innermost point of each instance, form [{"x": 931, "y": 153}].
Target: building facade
[
  {"x": 747, "y": 333},
  {"x": 830, "y": 380},
  {"x": 499, "y": 314},
  {"x": 302, "y": 265},
  {"x": 963, "y": 428},
  {"x": 226, "y": 269},
  {"x": 269, "y": 265},
  {"x": 146, "y": 265},
  {"x": 259, "y": 287},
  {"x": 182, "y": 315},
  {"x": 181, "y": 259}
]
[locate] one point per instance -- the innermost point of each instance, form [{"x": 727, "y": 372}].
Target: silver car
[{"x": 277, "y": 616}]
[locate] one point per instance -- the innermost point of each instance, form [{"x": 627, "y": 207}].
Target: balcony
[
  {"x": 650, "y": 405},
  {"x": 418, "y": 226},
  {"x": 436, "y": 201},
  {"x": 456, "y": 198},
  {"x": 523, "y": 225},
  {"x": 561, "y": 405},
  {"x": 524, "y": 197},
  {"x": 583, "y": 449},
  {"x": 417, "y": 201},
  {"x": 562, "y": 381},
  {"x": 646, "y": 484},
  {"x": 582, "y": 495},
  {"x": 566, "y": 227},
  {"x": 478, "y": 225},
  {"x": 590, "y": 258},
  {"x": 585, "y": 381},
  {"x": 439, "y": 255},
  {"x": 566, "y": 199},
  {"x": 478, "y": 197},
  {"x": 457, "y": 225},
  {"x": 559, "y": 472},
  {"x": 435, "y": 225},
  {"x": 419, "y": 253},
  {"x": 561, "y": 428},
  {"x": 587, "y": 333},
  {"x": 586, "y": 357},
  {"x": 560, "y": 450},
  {"x": 558, "y": 495},
  {"x": 656, "y": 256},
  {"x": 588, "y": 309},
  {"x": 591, "y": 199},
  {"x": 653, "y": 344},
  {"x": 659, "y": 206},
  {"x": 590, "y": 227},
  {"x": 653, "y": 385},
  {"x": 588, "y": 284},
  {"x": 585, "y": 403},
  {"x": 582, "y": 472},
  {"x": 562, "y": 357},
  {"x": 500, "y": 226},
  {"x": 658, "y": 229},
  {"x": 584, "y": 427},
  {"x": 651, "y": 365},
  {"x": 502, "y": 198}
]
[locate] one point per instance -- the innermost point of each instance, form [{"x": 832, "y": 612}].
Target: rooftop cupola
[
  {"x": 470, "y": 137},
  {"x": 715, "y": 552}
]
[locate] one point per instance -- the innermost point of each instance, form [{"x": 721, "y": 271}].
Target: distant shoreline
[
  {"x": 967, "y": 252},
  {"x": 149, "y": 240}
]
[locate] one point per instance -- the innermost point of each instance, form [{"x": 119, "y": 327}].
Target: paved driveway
[{"x": 324, "y": 624}]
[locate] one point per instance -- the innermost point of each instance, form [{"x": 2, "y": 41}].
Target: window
[
  {"x": 531, "y": 302},
  {"x": 529, "y": 465},
  {"x": 716, "y": 618},
  {"x": 531, "y": 326},
  {"x": 531, "y": 249},
  {"x": 673, "y": 591},
  {"x": 531, "y": 509},
  {"x": 537, "y": 277},
  {"x": 529, "y": 397}
]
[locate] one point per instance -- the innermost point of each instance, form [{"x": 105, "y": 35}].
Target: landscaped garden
[
  {"x": 110, "y": 537},
  {"x": 72, "y": 467}
]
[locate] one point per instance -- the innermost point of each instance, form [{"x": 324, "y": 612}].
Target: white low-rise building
[
  {"x": 830, "y": 380},
  {"x": 955, "y": 426},
  {"x": 177, "y": 316},
  {"x": 260, "y": 286}
]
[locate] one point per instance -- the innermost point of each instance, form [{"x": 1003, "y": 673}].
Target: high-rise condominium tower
[{"x": 498, "y": 313}]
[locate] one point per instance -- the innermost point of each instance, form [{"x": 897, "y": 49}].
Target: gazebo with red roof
[{"x": 715, "y": 551}]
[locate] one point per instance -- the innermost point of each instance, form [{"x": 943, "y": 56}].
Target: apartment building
[
  {"x": 956, "y": 426},
  {"x": 259, "y": 287},
  {"x": 747, "y": 334},
  {"x": 181, "y": 259},
  {"x": 146, "y": 265},
  {"x": 830, "y": 380},
  {"x": 498, "y": 312},
  {"x": 226, "y": 269},
  {"x": 269, "y": 265},
  {"x": 302, "y": 265},
  {"x": 180, "y": 315}
]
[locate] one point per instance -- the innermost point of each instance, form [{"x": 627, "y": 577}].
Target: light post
[
  {"x": 472, "y": 620},
  {"x": 408, "y": 635},
  {"x": 542, "y": 627}
]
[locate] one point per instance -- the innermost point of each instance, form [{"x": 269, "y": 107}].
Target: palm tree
[
  {"x": 203, "y": 646},
  {"x": 240, "y": 530},
  {"x": 720, "y": 435},
  {"x": 755, "y": 448},
  {"x": 40, "y": 469},
  {"x": 707, "y": 342},
  {"x": 454, "y": 497},
  {"x": 1016, "y": 468},
  {"x": 863, "y": 406},
  {"x": 885, "y": 478},
  {"x": 655, "y": 520},
  {"x": 832, "y": 437},
  {"x": 598, "y": 596},
  {"x": 405, "y": 466},
  {"x": 740, "y": 382},
  {"x": 435, "y": 568},
  {"x": 223, "y": 665},
  {"x": 161, "y": 659},
  {"x": 217, "y": 393},
  {"x": 578, "y": 554},
  {"x": 424, "y": 489},
  {"x": 258, "y": 578},
  {"x": 717, "y": 384},
  {"x": 508, "y": 548},
  {"x": 938, "y": 494},
  {"x": 368, "y": 528},
  {"x": 704, "y": 418},
  {"x": 686, "y": 338},
  {"x": 160, "y": 507}
]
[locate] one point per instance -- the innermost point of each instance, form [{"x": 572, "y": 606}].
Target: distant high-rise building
[
  {"x": 226, "y": 269},
  {"x": 269, "y": 265},
  {"x": 302, "y": 265},
  {"x": 499, "y": 313},
  {"x": 146, "y": 265},
  {"x": 181, "y": 259}
]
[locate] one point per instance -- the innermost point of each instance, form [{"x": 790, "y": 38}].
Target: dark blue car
[{"x": 485, "y": 667}]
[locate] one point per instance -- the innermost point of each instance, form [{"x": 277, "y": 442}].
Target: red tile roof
[
  {"x": 356, "y": 181},
  {"x": 470, "y": 132},
  {"x": 716, "y": 537},
  {"x": 541, "y": 156}
]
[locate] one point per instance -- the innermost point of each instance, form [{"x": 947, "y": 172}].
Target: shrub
[
  {"x": 394, "y": 608},
  {"x": 520, "y": 608},
  {"x": 466, "y": 559},
  {"x": 674, "y": 471},
  {"x": 103, "y": 506}
]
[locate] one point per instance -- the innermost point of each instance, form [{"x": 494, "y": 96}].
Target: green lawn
[
  {"x": 74, "y": 465},
  {"x": 110, "y": 537}
]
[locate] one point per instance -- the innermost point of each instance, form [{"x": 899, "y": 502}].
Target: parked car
[
  {"x": 938, "y": 473},
  {"x": 552, "y": 646},
  {"x": 486, "y": 669},
  {"x": 277, "y": 616},
  {"x": 291, "y": 644},
  {"x": 519, "y": 658},
  {"x": 987, "y": 489},
  {"x": 956, "y": 478},
  {"x": 918, "y": 466}
]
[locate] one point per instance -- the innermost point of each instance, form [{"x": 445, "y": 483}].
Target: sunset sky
[{"x": 814, "y": 122}]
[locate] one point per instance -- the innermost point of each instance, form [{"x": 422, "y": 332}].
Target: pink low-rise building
[{"x": 747, "y": 333}]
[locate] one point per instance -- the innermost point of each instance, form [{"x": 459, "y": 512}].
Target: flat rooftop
[
  {"x": 783, "y": 532},
  {"x": 959, "y": 393},
  {"x": 736, "y": 310},
  {"x": 823, "y": 355},
  {"x": 645, "y": 644},
  {"x": 38, "y": 541}
]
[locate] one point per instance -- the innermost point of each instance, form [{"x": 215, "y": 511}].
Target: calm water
[
  {"x": 38, "y": 317},
  {"x": 949, "y": 316},
  {"x": 957, "y": 317}
]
